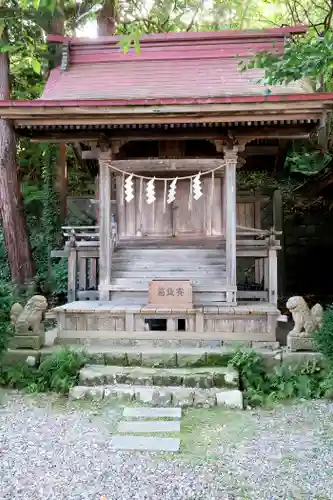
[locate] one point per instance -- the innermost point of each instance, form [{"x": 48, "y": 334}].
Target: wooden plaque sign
[{"x": 170, "y": 293}]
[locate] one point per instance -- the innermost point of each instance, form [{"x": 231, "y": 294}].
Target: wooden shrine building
[{"x": 170, "y": 128}]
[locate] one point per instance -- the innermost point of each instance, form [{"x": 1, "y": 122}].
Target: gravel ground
[{"x": 51, "y": 452}]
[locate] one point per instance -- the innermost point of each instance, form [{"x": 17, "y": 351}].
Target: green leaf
[
  {"x": 36, "y": 66},
  {"x": 136, "y": 43},
  {"x": 36, "y": 4}
]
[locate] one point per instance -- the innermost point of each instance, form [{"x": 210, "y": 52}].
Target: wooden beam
[
  {"x": 166, "y": 165},
  {"x": 278, "y": 222},
  {"x": 230, "y": 157},
  {"x": 141, "y": 134},
  {"x": 94, "y": 154},
  {"x": 159, "y": 111},
  {"x": 251, "y": 120},
  {"x": 105, "y": 247}
]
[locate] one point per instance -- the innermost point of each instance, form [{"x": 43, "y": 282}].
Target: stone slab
[
  {"x": 19, "y": 356},
  {"x": 204, "y": 377},
  {"x": 149, "y": 426},
  {"x": 34, "y": 342},
  {"x": 152, "y": 412},
  {"x": 145, "y": 443},
  {"x": 295, "y": 343},
  {"x": 230, "y": 399}
]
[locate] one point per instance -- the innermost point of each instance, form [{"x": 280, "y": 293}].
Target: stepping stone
[
  {"x": 153, "y": 412},
  {"x": 145, "y": 443},
  {"x": 149, "y": 426}
]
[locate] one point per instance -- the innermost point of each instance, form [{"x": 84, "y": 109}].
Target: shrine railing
[
  {"x": 260, "y": 246},
  {"x": 81, "y": 248}
]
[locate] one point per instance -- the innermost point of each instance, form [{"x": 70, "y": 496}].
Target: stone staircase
[
  {"x": 135, "y": 263},
  {"x": 160, "y": 377}
]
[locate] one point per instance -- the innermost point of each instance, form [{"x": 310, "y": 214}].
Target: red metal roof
[{"x": 169, "y": 66}]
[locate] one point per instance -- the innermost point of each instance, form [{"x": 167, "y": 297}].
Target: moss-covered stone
[
  {"x": 167, "y": 378},
  {"x": 191, "y": 360},
  {"x": 297, "y": 359},
  {"x": 159, "y": 360},
  {"x": 115, "y": 359},
  {"x": 19, "y": 356},
  {"x": 191, "y": 380},
  {"x": 133, "y": 358},
  {"x": 96, "y": 358},
  {"x": 218, "y": 359},
  {"x": 34, "y": 342}
]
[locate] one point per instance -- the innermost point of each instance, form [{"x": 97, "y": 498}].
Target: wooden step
[
  {"x": 195, "y": 254},
  {"x": 128, "y": 285},
  {"x": 169, "y": 258},
  {"x": 174, "y": 243},
  {"x": 168, "y": 274}
]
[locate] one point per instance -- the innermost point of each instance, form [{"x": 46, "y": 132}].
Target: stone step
[
  {"x": 164, "y": 339},
  {"x": 154, "y": 357},
  {"x": 145, "y": 443},
  {"x": 159, "y": 357},
  {"x": 204, "y": 377},
  {"x": 152, "y": 412},
  {"x": 149, "y": 426},
  {"x": 180, "y": 397}
]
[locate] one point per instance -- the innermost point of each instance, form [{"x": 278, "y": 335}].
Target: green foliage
[
  {"x": 50, "y": 222},
  {"x": 58, "y": 373},
  {"x": 324, "y": 337},
  {"x": 262, "y": 386},
  {"x": 7, "y": 299},
  {"x": 305, "y": 161},
  {"x": 304, "y": 57}
]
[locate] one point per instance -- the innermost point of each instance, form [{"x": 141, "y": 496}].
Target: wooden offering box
[{"x": 169, "y": 293}]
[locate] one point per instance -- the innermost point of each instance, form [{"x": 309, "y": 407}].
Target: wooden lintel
[
  {"x": 94, "y": 154},
  {"x": 156, "y": 165},
  {"x": 250, "y": 133}
]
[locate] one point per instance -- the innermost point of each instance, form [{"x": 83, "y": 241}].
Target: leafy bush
[
  {"x": 260, "y": 386},
  {"x": 324, "y": 337},
  {"x": 8, "y": 296},
  {"x": 58, "y": 372}
]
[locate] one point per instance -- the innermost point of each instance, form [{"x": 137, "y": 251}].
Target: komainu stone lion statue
[
  {"x": 306, "y": 321},
  {"x": 28, "y": 320}
]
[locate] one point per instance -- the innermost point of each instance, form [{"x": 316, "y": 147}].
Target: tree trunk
[
  {"x": 61, "y": 184},
  {"x": 11, "y": 210},
  {"x": 107, "y": 18}
]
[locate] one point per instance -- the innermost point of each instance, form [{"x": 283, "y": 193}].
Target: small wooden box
[{"x": 170, "y": 293}]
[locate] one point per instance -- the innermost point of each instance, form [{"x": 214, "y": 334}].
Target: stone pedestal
[
  {"x": 34, "y": 342},
  {"x": 296, "y": 343}
]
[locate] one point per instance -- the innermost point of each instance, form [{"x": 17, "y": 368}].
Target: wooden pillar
[
  {"x": 272, "y": 273},
  {"x": 105, "y": 246},
  {"x": 230, "y": 157},
  {"x": 72, "y": 275},
  {"x": 278, "y": 220},
  {"x": 62, "y": 181}
]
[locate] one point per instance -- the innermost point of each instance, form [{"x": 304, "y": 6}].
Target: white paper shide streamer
[
  {"x": 172, "y": 191},
  {"x": 197, "y": 188},
  {"x": 129, "y": 191},
  {"x": 150, "y": 191}
]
